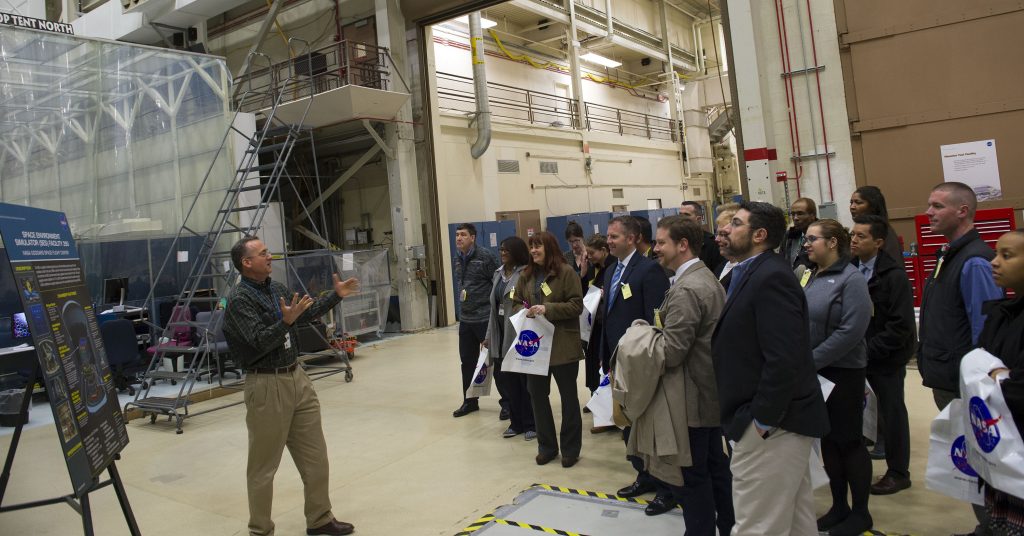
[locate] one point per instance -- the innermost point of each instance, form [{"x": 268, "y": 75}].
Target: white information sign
[{"x": 974, "y": 164}]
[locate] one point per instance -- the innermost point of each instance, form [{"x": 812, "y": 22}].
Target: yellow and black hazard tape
[
  {"x": 586, "y": 493},
  {"x": 484, "y": 521}
]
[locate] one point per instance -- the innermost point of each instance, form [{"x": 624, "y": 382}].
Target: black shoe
[
  {"x": 855, "y": 524},
  {"x": 832, "y": 518},
  {"x": 543, "y": 459},
  {"x": 334, "y": 527},
  {"x": 586, "y": 409},
  {"x": 569, "y": 461},
  {"x": 889, "y": 484},
  {"x": 466, "y": 408},
  {"x": 503, "y": 415},
  {"x": 635, "y": 489},
  {"x": 660, "y": 505}
]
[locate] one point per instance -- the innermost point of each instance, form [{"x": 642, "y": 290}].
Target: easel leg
[
  {"x": 86, "y": 515},
  {"x": 122, "y": 498},
  {"x": 5, "y": 477}
]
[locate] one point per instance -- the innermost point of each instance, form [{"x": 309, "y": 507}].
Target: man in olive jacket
[
  {"x": 891, "y": 338},
  {"x": 688, "y": 317}
]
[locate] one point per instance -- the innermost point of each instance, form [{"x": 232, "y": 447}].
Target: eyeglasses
[
  {"x": 810, "y": 239},
  {"x": 265, "y": 254}
]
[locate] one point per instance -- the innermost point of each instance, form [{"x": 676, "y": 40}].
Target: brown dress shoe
[
  {"x": 602, "y": 429},
  {"x": 543, "y": 459},
  {"x": 569, "y": 461},
  {"x": 332, "y": 528},
  {"x": 889, "y": 484}
]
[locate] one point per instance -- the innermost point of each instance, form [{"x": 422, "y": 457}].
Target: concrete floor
[{"x": 401, "y": 465}]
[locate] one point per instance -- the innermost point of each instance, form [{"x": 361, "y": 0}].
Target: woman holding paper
[
  {"x": 1003, "y": 337},
  {"x": 839, "y": 310},
  {"x": 549, "y": 287},
  {"x": 500, "y": 335}
]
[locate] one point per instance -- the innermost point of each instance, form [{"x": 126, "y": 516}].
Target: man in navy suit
[
  {"x": 767, "y": 387},
  {"x": 632, "y": 289}
]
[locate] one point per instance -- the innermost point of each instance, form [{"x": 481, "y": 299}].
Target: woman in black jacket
[{"x": 1003, "y": 337}]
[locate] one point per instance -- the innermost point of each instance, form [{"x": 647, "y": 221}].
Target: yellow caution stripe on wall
[
  {"x": 597, "y": 494},
  {"x": 486, "y": 520}
]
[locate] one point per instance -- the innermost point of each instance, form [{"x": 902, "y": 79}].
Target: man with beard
[{"x": 768, "y": 390}]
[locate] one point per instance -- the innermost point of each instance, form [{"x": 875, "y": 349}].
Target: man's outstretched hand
[
  {"x": 347, "y": 287},
  {"x": 291, "y": 312}
]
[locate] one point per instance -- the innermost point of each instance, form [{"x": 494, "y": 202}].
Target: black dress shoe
[
  {"x": 543, "y": 459},
  {"x": 465, "y": 409},
  {"x": 503, "y": 415},
  {"x": 334, "y": 527},
  {"x": 569, "y": 461},
  {"x": 635, "y": 489},
  {"x": 889, "y": 484},
  {"x": 660, "y": 505}
]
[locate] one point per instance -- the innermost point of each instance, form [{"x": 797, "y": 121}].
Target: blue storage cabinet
[{"x": 588, "y": 221}]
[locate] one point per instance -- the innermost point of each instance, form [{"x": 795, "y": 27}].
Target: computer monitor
[
  {"x": 115, "y": 289},
  {"x": 19, "y": 327}
]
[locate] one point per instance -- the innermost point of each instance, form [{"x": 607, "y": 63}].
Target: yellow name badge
[
  {"x": 627, "y": 292},
  {"x": 937, "y": 268},
  {"x": 805, "y": 279},
  {"x": 512, "y": 294},
  {"x": 462, "y": 297},
  {"x": 657, "y": 319},
  {"x": 545, "y": 289}
]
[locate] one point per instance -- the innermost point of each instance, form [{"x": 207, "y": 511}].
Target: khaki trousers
[
  {"x": 771, "y": 485},
  {"x": 283, "y": 410}
]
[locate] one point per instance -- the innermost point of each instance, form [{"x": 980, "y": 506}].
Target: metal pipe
[
  {"x": 807, "y": 87},
  {"x": 483, "y": 107},
  {"x": 608, "y": 14}
]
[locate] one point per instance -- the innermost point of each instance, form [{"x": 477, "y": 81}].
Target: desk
[{"x": 16, "y": 360}]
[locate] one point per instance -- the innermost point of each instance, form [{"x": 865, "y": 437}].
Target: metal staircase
[{"x": 182, "y": 336}]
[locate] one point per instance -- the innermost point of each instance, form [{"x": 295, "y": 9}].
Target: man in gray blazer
[{"x": 688, "y": 317}]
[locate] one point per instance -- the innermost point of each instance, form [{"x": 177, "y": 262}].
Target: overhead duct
[{"x": 483, "y": 107}]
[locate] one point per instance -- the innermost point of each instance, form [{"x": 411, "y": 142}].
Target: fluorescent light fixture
[
  {"x": 484, "y": 23},
  {"x": 600, "y": 60}
]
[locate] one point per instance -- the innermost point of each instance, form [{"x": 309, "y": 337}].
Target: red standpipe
[
  {"x": 794, "y": 128},
  {"x": 821, "y": 108}
]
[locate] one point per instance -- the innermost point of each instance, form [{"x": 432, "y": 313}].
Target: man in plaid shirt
[{"x": 281, "y": 406}]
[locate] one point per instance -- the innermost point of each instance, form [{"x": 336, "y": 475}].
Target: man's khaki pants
[
  {"x": 771, "y": 485},
  {"x": 283, "y": 410}
]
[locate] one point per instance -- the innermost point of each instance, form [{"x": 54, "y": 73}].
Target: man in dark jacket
[
  {"x": 951, "y": 304},
  {"x": 767, "y": 387},
  {"x": 709, "y": 254},
  {"x": 474, "y": 267},
  {"x": 632, "y": 290},
  {"x": 890, "y": 341},
  {"x": 803, "y": 213}
]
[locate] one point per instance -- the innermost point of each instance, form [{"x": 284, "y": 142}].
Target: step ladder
[{"x": 182, "y": 336}]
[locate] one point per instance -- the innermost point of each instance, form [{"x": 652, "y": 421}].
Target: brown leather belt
[{"x": 272, "y": 370}]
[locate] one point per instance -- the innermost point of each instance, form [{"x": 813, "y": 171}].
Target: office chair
[
  {"x": 122, "y": 352},
  {"x": 218, "y": 344}
]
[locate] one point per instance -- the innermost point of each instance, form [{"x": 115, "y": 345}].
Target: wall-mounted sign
[
  {"x": 974, "y": 164},
  {"x": 10, "y": 19}
]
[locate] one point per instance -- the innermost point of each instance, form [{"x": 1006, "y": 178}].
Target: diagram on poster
[{"x": 974, "y": 164}]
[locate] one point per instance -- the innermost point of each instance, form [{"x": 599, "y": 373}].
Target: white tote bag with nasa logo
[
  {"x": 530, "y": 353},
  {"x": 949, "y": 471},
  {"x": 995, "y": 450},
  {"x": 590, "y": 304},
  {"x": 601, "y": 403},
  {"x": 482, "y": 376},
  {"x": 870, "y": 430}
]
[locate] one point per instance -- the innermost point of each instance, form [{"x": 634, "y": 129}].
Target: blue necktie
[
  {"x": 616, "y": 277},
  {"x": 866, "y": 271},
  {"x": 737, "y": 275}
]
